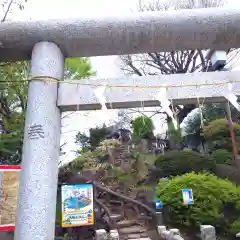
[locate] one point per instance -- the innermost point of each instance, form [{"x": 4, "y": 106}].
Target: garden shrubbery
[
  {"x": 216, "y": 201},
  {"x": 143, "y": 127},
  {"x": 222, "y": 156},
  {"x": 180, "y": 162},
  {"x": 217, "y": 134}
]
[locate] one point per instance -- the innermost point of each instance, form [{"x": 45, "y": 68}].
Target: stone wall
[{"x": 207, "y": 233}]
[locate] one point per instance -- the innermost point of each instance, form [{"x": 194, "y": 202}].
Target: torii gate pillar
[{"x": 38, "y": 179}]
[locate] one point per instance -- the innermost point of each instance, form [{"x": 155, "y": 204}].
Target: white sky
[{"x": 105, "y": 66}]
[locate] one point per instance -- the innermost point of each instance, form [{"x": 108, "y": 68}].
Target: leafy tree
[
  {"x": 192, "y": 129},
  {"x": 142, "y": 127},
  {"x": 96, "y": 135},
  {"x": 216, "y": 201},
  {"x": 193, "y": 122},
  {"x": 214, "y": 111},
  {"x": 174, "y": 135},
  {"x": 83, "y": 140},
  {"x": 78, "y": 68},
  {"x": 218, "y": 136},
  {"x": 193, "y": 125},
  {"x": 13, "y": 100},
  {"x": 218, "y": 110}
]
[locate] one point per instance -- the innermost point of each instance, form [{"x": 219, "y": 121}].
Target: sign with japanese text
[{"x": 77, "y": 205}]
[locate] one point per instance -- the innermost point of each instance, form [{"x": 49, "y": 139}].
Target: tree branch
[
  {"x": 148, "y": 209},
  {"x": 7, "y": 11}
]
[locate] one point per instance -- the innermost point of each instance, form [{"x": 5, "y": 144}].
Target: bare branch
[
  {"x": 173, "y": 62},
  {"x": 7, "y": 11}
]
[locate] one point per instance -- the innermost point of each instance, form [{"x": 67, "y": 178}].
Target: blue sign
[
  {"x": 159, "y": 204},
  {"x": 187, "y": 196}
]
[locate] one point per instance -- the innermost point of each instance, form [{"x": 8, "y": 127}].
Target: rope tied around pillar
[{"x": 45, "y": 79}]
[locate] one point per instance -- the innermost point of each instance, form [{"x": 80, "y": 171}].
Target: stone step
[
  {"x": 116, "y": 217},
  {"x": 137, "y": 236},
  {"x": 126, "y": 223},
  {"x": 133, "y": 229},
  {"x": 141, "y": 238}
]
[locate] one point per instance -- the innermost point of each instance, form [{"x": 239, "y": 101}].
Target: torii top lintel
[{"x": 212, "y": 28}]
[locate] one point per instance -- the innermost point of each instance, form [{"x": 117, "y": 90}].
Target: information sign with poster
[
  {"x": 77, "y": 205},
  {"x": 9, "y": 185},
  {"x": 187, "y": 196}
]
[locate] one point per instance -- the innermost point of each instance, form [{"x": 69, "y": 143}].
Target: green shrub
[
  {"x": 235, "y": 227},
  {"x": 217, "y": 134},
  {"x": 179, "y": 162},
  {"x": 212, "y": 196},
  {"x": 143, "y": 127},
  {"x": 222, "y": 156}
]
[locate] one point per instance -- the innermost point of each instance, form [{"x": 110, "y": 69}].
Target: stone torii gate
[{"x": 47, "y": 43}]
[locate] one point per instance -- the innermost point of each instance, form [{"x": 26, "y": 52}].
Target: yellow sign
[{"x": 77, "y": 205}]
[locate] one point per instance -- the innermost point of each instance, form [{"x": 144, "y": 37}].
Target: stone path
[{"x": 131, "y": 230}]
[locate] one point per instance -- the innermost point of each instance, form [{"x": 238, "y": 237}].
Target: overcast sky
[{"x": 105, "y": 66}]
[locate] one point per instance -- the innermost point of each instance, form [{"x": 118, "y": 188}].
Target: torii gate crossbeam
[
  {"x": 212, "y": 28},
  {"x": 46, "y": 43},
  {"x": 180, "y": 88}
]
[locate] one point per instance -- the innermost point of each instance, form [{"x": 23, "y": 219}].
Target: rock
[
  {"x": 137, "y": 235},
  {"x": 175, "y": 231},
  {"x": 134, "y": 236},
  {"x": 129, "y": 230},
  {"x": 208, "y": 232},
  {"x": 177, "y": 237},
  {"x": 161, "y": 229},
  {"x": 143, "y": 235},
  {"x": 165, "y": 234},
  {"x": 141, "y": 239},
  {"x": 101, "y": 234},
  {"x": 114, "y": 235},
  {"x": 126, "y": 223},
  {"x": 116, "y": 217}
]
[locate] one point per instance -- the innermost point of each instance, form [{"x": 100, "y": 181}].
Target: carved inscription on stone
[{"x": 35, "y": 132}]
